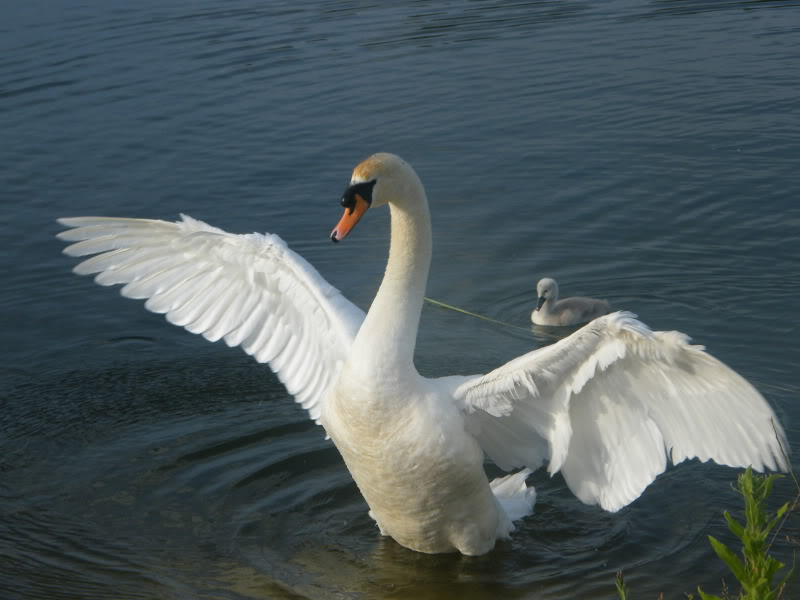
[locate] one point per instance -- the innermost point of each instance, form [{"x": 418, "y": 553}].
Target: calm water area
[{"x": 646, "y": 152}]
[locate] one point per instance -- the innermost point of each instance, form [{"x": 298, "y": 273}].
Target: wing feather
[
  {"x": 610, "y": 404},
  {"x": 250, "y": 290},
  {"x": 228, "y": 313}
]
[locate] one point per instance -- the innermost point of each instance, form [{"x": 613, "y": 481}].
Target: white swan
[
  {"x": 607, "y": 406},
  {"x": 568, "y": 311}
]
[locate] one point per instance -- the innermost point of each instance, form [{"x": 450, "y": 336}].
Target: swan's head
[
  {"x": 380, "y": 179},
  {"x": 547, "y": 289}
]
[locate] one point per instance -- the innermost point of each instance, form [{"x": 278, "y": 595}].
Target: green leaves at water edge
[
  {"x": 734, "y": 562},
  {"x": 756, "y": 569},
  {"x": 622, "y": 589}
]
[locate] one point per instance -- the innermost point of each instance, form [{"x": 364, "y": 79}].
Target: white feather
[
  {"x": 614, "y": 401},
  {"x": 222, "y": 286}
]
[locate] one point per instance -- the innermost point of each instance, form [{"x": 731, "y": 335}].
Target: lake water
[{"x": 643, "y": 152}]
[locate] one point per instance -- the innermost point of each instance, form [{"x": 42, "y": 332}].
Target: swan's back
[{"x": 579, "y": 309}]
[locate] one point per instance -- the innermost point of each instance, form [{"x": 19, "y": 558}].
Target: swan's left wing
[
  {"x": 250, "y": 290},
  {"x": 608, "y": 405}
]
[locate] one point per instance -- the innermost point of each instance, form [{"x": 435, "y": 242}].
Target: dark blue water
[{"x": 643, "y": 152}]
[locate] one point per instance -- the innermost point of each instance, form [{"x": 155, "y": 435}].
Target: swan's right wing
[
  {"x": 610, "y": 404},
  {"x": 250, "y": 290}
]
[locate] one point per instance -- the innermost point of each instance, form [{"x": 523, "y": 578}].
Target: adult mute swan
[
  {"x": 606, "y": 406},
  {"x": 569, "y": 311}
]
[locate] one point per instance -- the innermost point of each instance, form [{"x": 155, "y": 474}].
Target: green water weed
[{"x": 755, "y": 570}]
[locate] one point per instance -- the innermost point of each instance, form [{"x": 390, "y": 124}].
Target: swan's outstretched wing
[
  {"x": 250, "y": 290},
  {"x": 609, "y": 404}
]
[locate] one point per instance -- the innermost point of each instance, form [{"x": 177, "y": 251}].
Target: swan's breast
[
  {"x": 408, "y": 428},
  {"x": 420, "y": 472}
]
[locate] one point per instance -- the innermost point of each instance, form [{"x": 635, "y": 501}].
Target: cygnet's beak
[
  {"x": 541, "y": 302},
  {"x": 351, "y": 216}
]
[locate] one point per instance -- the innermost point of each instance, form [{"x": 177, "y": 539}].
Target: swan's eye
[{"x": 364, "y": 190}]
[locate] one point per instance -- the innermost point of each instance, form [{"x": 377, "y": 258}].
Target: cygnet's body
[{"x": 569, "y": 311}]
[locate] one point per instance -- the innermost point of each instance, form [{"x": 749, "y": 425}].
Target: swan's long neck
[{"x": 388, "y": 336}]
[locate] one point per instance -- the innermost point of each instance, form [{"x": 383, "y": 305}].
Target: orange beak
[{"x": 349, "y": 219}]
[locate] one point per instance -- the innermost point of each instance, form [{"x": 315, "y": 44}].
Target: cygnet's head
[
  {"x": 547, "y": 289},
  {"x": 380, "y": 179}
]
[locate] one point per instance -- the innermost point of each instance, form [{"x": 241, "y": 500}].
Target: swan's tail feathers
[{"x": 514, "y": 497}]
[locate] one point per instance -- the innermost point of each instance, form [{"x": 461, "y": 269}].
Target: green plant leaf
[
  {"x": 734, "y": 562},
  {"x": 778, "y": 515},
  {"x": 755, "y": 568},
  {"x": 622, "y": 589},
  {"x": 704, "y": 596},
  {"x": 734, "y": 525},
  {"x": 773, "y": 566}
]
